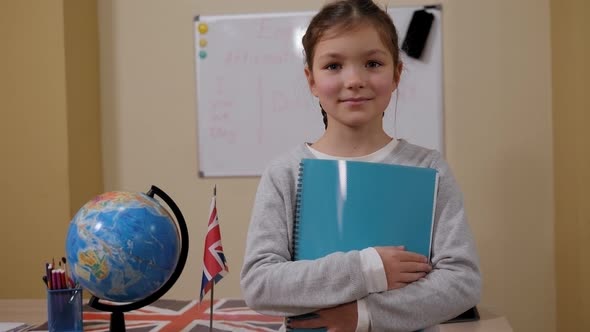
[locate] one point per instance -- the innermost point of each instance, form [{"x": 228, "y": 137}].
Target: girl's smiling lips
[{"x": 354, "y": 100}]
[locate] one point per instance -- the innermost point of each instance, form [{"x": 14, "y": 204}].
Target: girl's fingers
[
  {"x": 411, "y": 277},
  {"x": 415, "y": 267},
  {"x": 407, "y": 256}
]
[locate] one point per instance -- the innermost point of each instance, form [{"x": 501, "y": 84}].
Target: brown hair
[{"x": 345, "y": 15}]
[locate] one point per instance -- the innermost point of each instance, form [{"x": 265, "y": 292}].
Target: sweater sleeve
[
  {"x": 452, "y": 287},
  {"x": 273, "y": 284}
]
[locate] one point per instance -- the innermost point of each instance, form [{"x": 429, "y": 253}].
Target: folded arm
[{"x": 453, "y": 285}]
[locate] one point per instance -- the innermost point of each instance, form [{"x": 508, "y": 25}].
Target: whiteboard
[{"x": 253, "y": 102}]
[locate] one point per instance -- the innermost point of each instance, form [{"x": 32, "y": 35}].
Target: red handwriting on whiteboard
[
  {"x": 294, "y": 98},
  {"x": 220, "y": 116},
  {"x": 222, "y": 134},
  {"x": 245, "y": 57},
  {"x": 281, "y": 101},
  {"x": 221, "y": 104}
]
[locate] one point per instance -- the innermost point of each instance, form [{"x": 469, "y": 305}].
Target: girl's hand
[
  {"x": 402, "y": 267},
  {"x": 342, "y": 318}
]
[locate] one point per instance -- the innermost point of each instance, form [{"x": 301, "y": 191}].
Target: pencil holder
[{"x": 64, "y": 310}]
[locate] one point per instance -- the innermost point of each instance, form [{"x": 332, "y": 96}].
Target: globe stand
[
  {"x": 117, "y": 311},
  {"x": 117, "y": 321}
]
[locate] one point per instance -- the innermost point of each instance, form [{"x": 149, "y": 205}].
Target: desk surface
[{"x": 34, "y": 312}]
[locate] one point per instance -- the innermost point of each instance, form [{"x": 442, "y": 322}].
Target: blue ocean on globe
[{"x": 122, "y": 246}]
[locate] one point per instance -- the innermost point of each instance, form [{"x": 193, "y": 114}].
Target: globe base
[{"x": 117, "y": 322}]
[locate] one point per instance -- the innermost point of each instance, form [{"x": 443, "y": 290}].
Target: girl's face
[{"x": 353, "y": 76}]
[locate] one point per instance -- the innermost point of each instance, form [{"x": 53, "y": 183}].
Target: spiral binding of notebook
[{"x": 297, "y": 212}]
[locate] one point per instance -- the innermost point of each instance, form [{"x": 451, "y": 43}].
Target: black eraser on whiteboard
[{"x": 417, "y": 34}]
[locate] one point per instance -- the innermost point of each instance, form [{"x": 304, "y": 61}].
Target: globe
[{"x": 122, "y": 246}]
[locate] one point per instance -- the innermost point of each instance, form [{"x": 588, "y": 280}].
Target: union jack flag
[
  {"x": 214, "y": 264},
  {"x": 229, "y": 315}
]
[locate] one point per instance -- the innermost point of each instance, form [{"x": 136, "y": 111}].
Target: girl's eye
[
  {"x": 333, "y": 66},
  {"x": 373, "y": 64}
]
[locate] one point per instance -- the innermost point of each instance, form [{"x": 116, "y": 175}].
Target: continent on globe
[{"x": 98, "y": 265}]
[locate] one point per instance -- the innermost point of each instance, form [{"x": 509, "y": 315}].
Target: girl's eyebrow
[
  {"x": 376, "y": 51},
  {"x": 331, "y": 55},
  {"x": 335, "y": 55}
]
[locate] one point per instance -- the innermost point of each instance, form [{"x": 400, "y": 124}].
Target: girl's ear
[
  {"x": 397, "y": 74},
  {"x": 310, "y": 80}
]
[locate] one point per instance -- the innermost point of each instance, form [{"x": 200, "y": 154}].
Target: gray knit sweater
[{"x": 274, "y": 284}]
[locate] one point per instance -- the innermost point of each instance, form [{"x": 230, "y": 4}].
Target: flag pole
[
  {"x": 213, "y": 284},
  {"x": 211, "y": 308}
]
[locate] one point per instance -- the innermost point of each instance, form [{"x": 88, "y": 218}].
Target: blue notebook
[{"x": 352, "y": 205}]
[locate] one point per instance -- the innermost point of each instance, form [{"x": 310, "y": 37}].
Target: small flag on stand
[{"x": 214, "y": 263}]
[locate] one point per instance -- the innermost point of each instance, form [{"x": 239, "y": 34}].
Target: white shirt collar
[{"x": 374, "y": 157}]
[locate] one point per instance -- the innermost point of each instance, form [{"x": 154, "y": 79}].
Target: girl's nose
[{"x": 354, "y": 78}]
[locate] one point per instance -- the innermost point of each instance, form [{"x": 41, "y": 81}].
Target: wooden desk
[{"x": 34, "y": 312}]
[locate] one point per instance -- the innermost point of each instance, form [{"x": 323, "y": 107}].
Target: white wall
[{"x": 498, "y": 135}]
